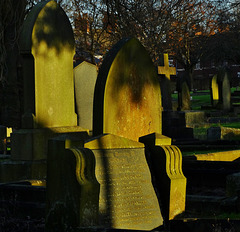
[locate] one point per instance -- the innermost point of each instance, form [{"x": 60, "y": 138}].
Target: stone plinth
[
  {"x": 31, "y": 144},
  {"x": 127, "y": 198},
  {"x": 72, "y": 188}
]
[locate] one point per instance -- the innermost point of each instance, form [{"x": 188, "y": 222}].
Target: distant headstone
[
  {"x": 184, "y": 100},
  {"x": 214, "y": 91},
  {"x": 164, "y": 72},
  {"x": 47, "y": 48},
  {"x": 221, "y": 90},
  {"x": 85, "y": 75},
  {"x": 226, "y": 93},
  {"x": 127, "y": 93}
]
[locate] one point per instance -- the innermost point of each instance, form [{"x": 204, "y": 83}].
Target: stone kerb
[{"x": 127, "y": 93}]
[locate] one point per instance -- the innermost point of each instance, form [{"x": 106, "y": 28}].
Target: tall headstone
[
  {"x": 221, "y": 90},
  {"x": 214, "y": 91},
  {"x": 85, "y": 75},
  {"x": 47, "y": 47},
  {"x": 127, "y": 93},
  {"x": 165, "y": 72},
  {"x": 184, "y": 101},
  {"x": 225, "y": 93}
]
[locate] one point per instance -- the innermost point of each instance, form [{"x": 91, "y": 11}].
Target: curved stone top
[
  {"x": 47, "y": 46},
  {"x": 46, "y": 21},
  {"x": 127, "y": 100}
]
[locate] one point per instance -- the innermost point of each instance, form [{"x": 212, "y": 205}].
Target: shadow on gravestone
[
  {"x": 127, "y": 98},
  {"x": 47, "y": 47}
]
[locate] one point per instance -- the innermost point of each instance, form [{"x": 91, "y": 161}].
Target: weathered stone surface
[
  {"x": 167, "y": 169},
  {"x": 127, "y": 93},
  {"x": 47, "y": 48},
  {"x": 85, "y": 75},
  {"x": 72, "y": 188},
  {"x": 127, "y": 198}
]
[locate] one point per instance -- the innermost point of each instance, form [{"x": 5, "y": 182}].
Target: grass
[{"x": 197, "y": 100}]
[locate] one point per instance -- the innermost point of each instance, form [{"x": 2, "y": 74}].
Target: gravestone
[
  {"x": 125, "y": 200},
  {"x": 214, "y": 91},
  {"x": 123, "y": 105},
  {"x": 47, "y": 50},
  {"x": 164, "y": 71},
  {"x": 221, "y": 90},
  {"x": 85, "y": 75},
  {"x": 226, "y": 93},
  {"x": 184, "y": 100},
  {"x": 127, "y": 93}
]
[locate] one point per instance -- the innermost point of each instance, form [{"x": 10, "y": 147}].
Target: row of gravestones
[{"x": 104, "y": 180}]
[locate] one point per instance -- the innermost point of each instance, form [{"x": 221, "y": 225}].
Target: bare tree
[{"x": 193, "y": 23}]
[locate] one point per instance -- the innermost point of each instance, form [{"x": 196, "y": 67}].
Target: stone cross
[{"x": 165, "y": 69}]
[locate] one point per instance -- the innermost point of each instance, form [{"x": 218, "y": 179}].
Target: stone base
[
  {"x": 31, "y": 144},
  {"x": 167, "y": 168},
  {"x": 13, "y": 171}
]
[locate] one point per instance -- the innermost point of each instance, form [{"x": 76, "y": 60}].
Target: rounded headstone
[{"x": 127, "y": 99}]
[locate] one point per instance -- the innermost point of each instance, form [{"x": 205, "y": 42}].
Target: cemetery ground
[{"x": 213, "y": 199}]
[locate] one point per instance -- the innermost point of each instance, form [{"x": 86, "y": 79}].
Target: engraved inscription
[{"x": 127, "y": 198}]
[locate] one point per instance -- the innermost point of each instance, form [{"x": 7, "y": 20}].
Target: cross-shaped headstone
[{"x": 165, "y": 69}]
